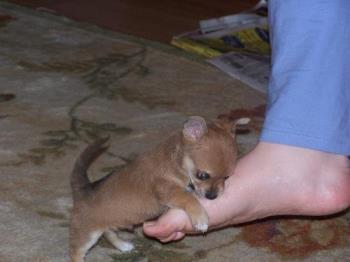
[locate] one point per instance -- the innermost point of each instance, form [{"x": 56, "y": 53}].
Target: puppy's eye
[
  {"x": 226, "y": 177},
  {"x": 202, "y": 175}
]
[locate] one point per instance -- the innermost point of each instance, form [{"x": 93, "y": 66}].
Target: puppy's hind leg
[
  {"x": 81, "y": 243},
  {"x": 123, "y": 246}
]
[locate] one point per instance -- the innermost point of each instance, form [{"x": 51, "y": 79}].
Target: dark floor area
[{"x": 157, "y": 20}]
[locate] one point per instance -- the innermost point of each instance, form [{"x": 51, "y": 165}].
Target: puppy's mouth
[{"x": 208, "y": 194}]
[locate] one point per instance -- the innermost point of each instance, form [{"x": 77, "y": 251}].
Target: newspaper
[
  {"x": 237, "y": 44},
  {"x": 251, "y": 69},
  {"x": 258, "y": 12},
  {"x": 251, "y": 38},
  {"x": 228, "y": 22}
]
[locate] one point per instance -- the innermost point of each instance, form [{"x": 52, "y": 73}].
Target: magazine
[{"x": 236, "y": 44}]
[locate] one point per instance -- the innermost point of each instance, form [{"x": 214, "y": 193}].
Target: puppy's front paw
[
  {"x": 201, "y": 227},
  {"x": 201, "y": 222}
]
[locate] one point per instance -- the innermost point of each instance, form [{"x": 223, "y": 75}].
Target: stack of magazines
[{"x": 237, "y": 44}]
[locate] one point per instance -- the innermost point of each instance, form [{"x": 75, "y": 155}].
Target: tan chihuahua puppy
[{"x": 188, "y": 165}]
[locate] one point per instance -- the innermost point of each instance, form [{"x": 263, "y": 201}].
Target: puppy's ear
[
  {"x": 239, "y": 123},
  {"x": 194, "y": 128},
  {"x": 230, "y": 126}
]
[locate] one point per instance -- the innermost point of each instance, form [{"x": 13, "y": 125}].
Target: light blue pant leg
[{"x": 309, "y": 90}]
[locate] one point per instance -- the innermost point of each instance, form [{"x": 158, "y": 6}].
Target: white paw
[
  {"x": 125, "y": 247},
  {"x": 201, "y": 222},
  {"x": 201, "y": 227}
]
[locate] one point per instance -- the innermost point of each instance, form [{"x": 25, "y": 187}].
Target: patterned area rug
[{"x": 63, "y": 84}]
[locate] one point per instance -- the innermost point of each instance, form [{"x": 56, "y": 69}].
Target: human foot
[{"x": 271, "y": 180}]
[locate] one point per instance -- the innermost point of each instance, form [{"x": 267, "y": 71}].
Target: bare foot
[{"x": 271, "y": 180}]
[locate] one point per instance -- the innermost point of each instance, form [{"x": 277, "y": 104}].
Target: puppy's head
[{"x": 210, "y": 154}]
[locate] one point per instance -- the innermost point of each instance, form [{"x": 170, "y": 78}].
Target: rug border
[{"x": 106, "y": 32}]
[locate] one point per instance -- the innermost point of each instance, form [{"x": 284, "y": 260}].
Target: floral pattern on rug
[{"x": 298, "y": 238}]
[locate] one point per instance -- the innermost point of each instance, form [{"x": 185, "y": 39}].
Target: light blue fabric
[{"x": 309, "y": 90}]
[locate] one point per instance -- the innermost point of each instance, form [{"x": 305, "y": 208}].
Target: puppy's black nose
[{"x": 211, "y": 195}]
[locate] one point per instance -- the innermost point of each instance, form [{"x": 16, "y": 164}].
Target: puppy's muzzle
[{"x": 211, "y": 194}]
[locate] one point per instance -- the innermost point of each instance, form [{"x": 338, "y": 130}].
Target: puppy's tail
[{"x": 79, "y": 180}]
